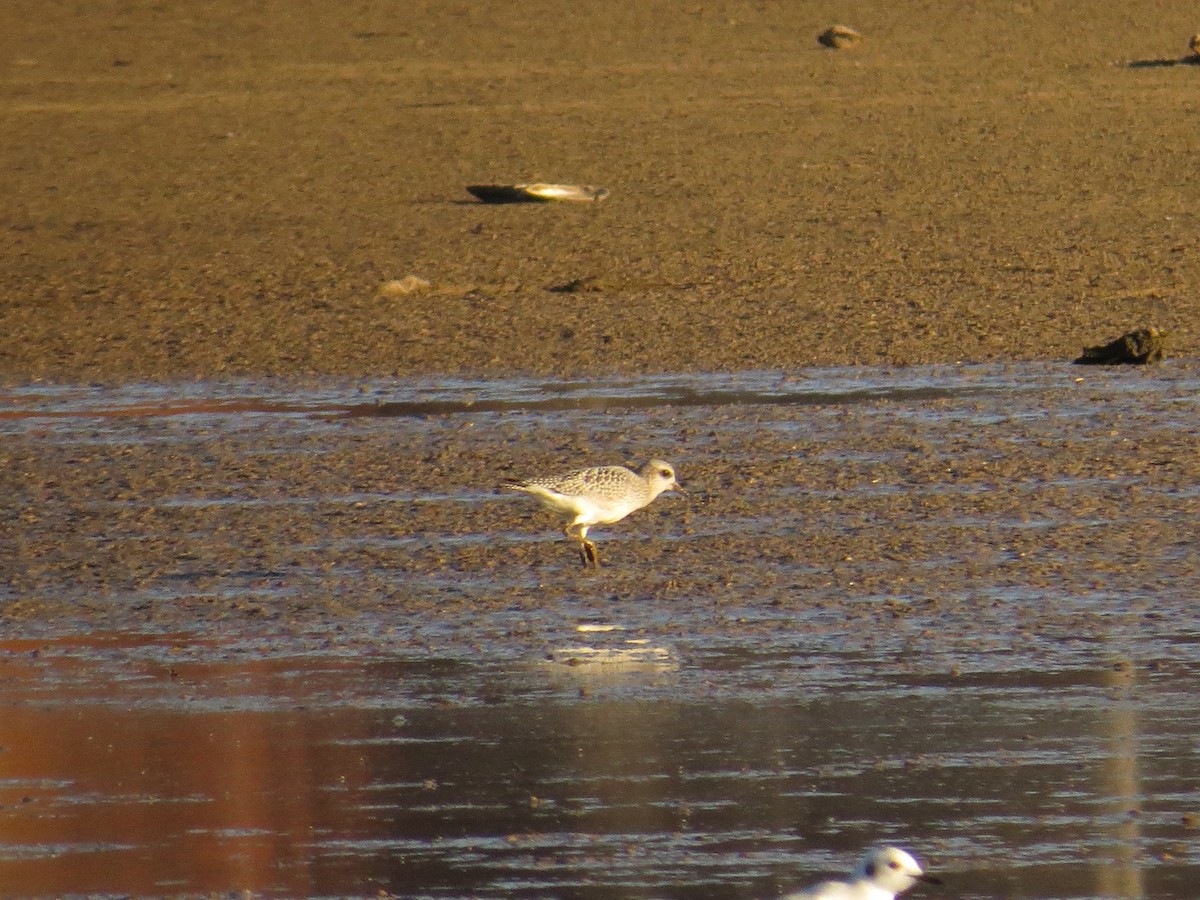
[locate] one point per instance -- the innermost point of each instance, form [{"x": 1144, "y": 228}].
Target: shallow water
[{"x": 430, "y": 720}]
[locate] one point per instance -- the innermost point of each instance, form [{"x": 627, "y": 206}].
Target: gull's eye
[{"x": 893, "y": 865}]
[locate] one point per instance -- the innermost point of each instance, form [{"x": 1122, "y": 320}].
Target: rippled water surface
[{"x": 1029, "y": 730}]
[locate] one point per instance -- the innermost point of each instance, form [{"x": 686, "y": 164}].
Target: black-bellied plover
[
  {"x": 881, "y": 874},
  {"x": 598, "y": 496}
]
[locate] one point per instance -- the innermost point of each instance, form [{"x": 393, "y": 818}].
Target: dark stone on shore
[{"x": 1145, "y": 346}]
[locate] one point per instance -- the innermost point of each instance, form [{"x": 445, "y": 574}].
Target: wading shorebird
[
  {"x": 598, "y": 496},
  {"x": 880, "y": 875}
]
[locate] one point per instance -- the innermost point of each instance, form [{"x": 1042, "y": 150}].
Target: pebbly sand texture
[
  {"x": 221, "y": 190},
  {"x": 1065, "y": 510},
  {"x": 224, "y": 190}
]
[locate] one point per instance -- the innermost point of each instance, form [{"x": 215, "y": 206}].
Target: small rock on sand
[{"x": 401, "y": 287}]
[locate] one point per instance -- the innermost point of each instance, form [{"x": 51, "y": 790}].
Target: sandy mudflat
[
  {"x": 217, "y": 189},
  {"x": 989, "y": 505},
  {"x": 221, "y": 190}
]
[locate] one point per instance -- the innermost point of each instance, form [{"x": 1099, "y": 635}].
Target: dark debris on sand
[{"x": 1145, "y": 346}]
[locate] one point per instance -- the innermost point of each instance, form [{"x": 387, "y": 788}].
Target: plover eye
[{"x": 665, "y": 473}]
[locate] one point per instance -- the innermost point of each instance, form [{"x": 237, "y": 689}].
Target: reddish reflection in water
[
  {"x": 162, "y": 408},
  {"x": 150, "y": 766},
  {"x": 168, "y": 794},
  {"x": 155, "y": 801}
]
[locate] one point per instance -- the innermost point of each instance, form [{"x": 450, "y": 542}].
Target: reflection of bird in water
[
  {"x": 598, "y": 496},
  {"x": 880, "y": 875}
]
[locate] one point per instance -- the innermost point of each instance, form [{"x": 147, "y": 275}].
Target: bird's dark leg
[{"x": 587, "y": 549}]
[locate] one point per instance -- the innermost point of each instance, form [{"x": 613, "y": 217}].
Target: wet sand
[
  {"x": 988, "y": 506},
  {"x": 954, "y": 608},
  {"x": 219, "y": 192},
  {"x": 223, "y": 191}
]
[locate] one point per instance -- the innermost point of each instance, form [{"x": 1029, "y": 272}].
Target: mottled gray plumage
[{"x": 598, "y": 496}]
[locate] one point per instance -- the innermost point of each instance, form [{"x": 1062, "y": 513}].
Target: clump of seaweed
[{"x": 1142, "y": 347}]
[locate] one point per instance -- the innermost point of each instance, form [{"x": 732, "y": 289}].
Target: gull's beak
[{"x": 930, "y": 879}]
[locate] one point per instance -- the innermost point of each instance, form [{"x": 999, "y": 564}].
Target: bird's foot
[{"x": 588, "y": 555}]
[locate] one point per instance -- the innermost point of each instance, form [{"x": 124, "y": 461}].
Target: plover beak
[{"x": 679, "y": 487}]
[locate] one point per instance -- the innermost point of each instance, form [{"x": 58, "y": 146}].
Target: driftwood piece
[{"x": 537, "y": 193}]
